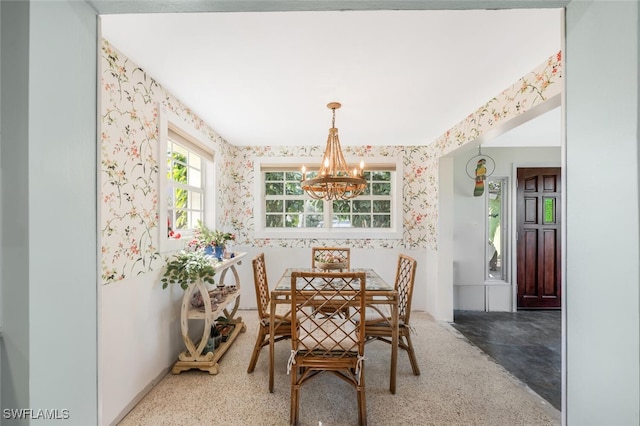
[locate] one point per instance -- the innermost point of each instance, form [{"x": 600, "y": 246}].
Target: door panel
[{"x": 538, "y": 213}]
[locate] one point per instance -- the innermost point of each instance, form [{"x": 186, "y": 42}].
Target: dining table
[{"x": 378, "y": 292}]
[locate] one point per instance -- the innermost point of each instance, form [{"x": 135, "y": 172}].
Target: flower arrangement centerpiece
[
  {"x": 188, "y": 267},
  {"x": 327, "y": 260},
  {"x": 210, "y": 240}
]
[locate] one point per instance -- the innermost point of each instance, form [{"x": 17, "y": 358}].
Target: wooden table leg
[
  {"x": 394, "y": 345},
  {"x": 272, "y": 320}
]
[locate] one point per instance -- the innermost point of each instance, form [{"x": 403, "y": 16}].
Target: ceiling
[{"x": 403, "y": 77}]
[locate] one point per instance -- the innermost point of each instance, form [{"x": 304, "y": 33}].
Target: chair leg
[
  {"x": 412, "y": 356},
  {"x": 362, "y": 403},
  {"x": 295, "y": 399},
  {"x": 256, "y": 349}
]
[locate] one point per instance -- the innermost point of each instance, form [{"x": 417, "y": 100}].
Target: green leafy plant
[{"x": 188, "y": 267}]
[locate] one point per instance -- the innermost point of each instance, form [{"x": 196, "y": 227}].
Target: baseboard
[{"x": 140, "y": 396}]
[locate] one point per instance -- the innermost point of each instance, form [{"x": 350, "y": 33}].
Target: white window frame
[
  {"x": 168, "y": 121},
  {"x": 505, "y": 223},
  {"x": 260, "y": 231}
]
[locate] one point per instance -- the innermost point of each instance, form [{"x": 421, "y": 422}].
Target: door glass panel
[{"x": 549, "y": 210}]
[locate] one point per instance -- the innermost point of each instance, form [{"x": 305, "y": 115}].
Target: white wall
[
  {"x": 49, "y": 211},
  {"x": 132, "y": 362},
  {"x": 278, "y": 259},
  {"x": 603, "y": 283},
  {"x": 469, "y": 216}
]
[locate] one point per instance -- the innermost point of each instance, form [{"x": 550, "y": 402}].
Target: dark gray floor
[{"x": 525, "y": 343}]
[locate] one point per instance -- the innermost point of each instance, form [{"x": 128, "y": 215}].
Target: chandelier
[{"x": 334, "y": 181}]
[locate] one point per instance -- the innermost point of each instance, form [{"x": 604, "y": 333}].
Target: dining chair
[
  {"x": 327, "y": 343},
  {"x": 378, "y": 318},
  {"x": 282, "y": 324},
  {"x": 343, "y": 253}
]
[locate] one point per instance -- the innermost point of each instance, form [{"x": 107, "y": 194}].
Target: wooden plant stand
[{"x": 193, "y": 356}]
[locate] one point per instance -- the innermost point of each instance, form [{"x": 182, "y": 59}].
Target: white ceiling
[{"x": 403, "y": 77}]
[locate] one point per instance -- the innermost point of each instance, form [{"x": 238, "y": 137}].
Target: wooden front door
[{"x": 538, "y": 216}]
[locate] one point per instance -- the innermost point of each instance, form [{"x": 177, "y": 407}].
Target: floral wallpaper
[
  {"x": 128, "y": 181},
  {"x": 420, "y": 163}
]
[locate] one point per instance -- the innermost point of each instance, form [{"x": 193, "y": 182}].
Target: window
[
  {"x": 186, "y": 171},
  {"x": 286, "y": 204},
  {"x": 496, "y": 208},
  {"x": 185, "y": 186},
  {"x": 284, "y": 210},
  {"x": 372, "y": 209}
]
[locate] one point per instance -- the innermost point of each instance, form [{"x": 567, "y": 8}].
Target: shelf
[
  {"x": 196, "y": 313},
  {"x": 209, "y": 361},
  {"x": 194, "y": 356}
]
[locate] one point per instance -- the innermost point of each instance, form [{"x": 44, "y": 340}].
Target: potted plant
[
  {"x": 212, "y": 241},
  {"x": 188, "y": 267},
  {"x": 224, "y": 327}
]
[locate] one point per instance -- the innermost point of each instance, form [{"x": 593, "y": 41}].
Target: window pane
[
  {"x": 495, "y": 218},
  {"x": 270, "y": 176},
  {"x": 295, "y": 176},
  {"x": 314, "y": 206},
  {"x": 178, "y": 171},
  {"x": 313, "y": 221},
  {"x": 195, "y": 201},
  {"x": 294, "y": 206},
  {"x": 381, "y": 188},
  {"x": 181, "y": 197},
  {"x": 273, "y": 188},
  {"x": 361, "y": 221},
  {"x": 195, "y": 177},
  {"x": 384, "y": 176},
  {"x": 342, "y": 206},
  {"x": 274, "y": 206},
  {"x": 381, "y": 221},
  {"x": 361, "y": 206},
  {"x": 339, "y": 218},
  {"x": 195, "y": 161},
  {"x": 195, "y": 217},
  {"x": 292, "y": 220},
  {"x": 274, "y": 221},
  {"x": 293, "y": 188},
  {"x": 381, "y": 206},
  {"x": 549, "y": 210},
  {"x": 341, "y": 221},
  {"x": 181, "y": 219}
]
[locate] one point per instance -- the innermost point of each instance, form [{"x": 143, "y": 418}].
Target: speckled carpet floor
[{"x": 459, "y": 385}]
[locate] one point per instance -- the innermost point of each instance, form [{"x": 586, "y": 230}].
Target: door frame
[{"x": 513, "y": 211}]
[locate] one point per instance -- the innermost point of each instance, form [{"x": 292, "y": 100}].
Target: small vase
[
  {"x": 208, "y": 250},
  {"x": 219, "y": 252}
]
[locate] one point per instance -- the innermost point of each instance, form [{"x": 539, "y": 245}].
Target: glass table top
[{"x": 373, "y": 280}]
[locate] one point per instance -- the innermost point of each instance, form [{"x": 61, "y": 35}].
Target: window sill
[
  {"x": 330, "y": 233},
  {"x": 170, "y": 245}
]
